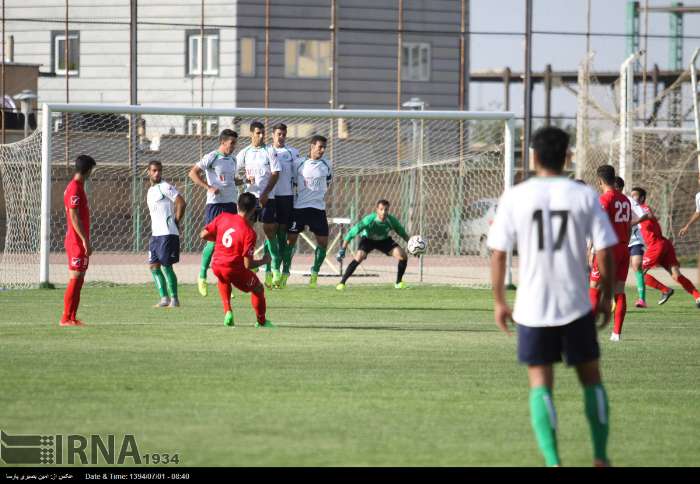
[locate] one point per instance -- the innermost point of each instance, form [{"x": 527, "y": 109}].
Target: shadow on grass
[{"x": 391, "y": 328}]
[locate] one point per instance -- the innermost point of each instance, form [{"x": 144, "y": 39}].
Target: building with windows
[{"x": 220, "y": 53}]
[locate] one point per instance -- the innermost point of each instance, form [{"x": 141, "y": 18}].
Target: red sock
[
  {"x": 225, "y": 292},
  {"x": 259, "y": 305},
  {"x": 688, "y": 286},
  {"x": 620, "y": 310},
  {"x": 68, "y": 297},
  {"x": 76, "y": 298},
  {"x": 649, "y": 280},
  {"x": 594, "y": 294}
]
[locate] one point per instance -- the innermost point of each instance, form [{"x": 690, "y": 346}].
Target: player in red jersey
[
  {"x": 660, "y": 252},
  {"x": 77, "y": 241},
  {"x": 619, "y": 211},
  {"x": 233, "y": 257}
]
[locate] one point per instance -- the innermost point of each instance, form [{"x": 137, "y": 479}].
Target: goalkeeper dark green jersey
[{"x": 374, "y": 229}]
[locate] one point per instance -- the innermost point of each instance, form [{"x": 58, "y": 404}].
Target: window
[
  {"x": 415, "y": 61},
  {"x": 247, "y": 57},
  {"x": 193, "y": 126},
  {"x": 203, "y": 53},
  {"x": 58, "y": 56},
  {"x": 307, "y": 58}
]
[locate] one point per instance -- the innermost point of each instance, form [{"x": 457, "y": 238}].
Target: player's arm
[
  {"x": 500, "y": 240},
  {"x": 180, "y": 205},
  {"x": 275, "y": 169},
  {"x": 693, "y": 218},
  {"x": 195, "y": 174},
  {"x": 208, "y": 233},
  {"x": 398, "y": 228},
  {"x": 249, "y": 250},
  {"x": 80, "y": 230},
  {"x": 352, "y": 233}
]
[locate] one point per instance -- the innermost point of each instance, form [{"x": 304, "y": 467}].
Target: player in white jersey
[
  {"x": 693, "y": 218},
  {"x": 262, "y": 172},
  {"x": 312, "y": 176},
  {"x": 220, "y": 182},
  {"x": 636, "y": 246},
  {"x": 284, "y": 205},
  {"x": 167, "y": 207},
  {"x": 550, "y": 218}
]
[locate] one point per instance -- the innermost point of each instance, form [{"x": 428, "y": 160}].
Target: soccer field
[{"x": 371, "y": 376}]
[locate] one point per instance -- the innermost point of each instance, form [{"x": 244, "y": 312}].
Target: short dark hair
[
  {"x": 155, "y": 163},
  {"x": 316, "y": 138},
  {"x": 384, "y": 202},
  {"x": 84, "y": 163},
  {"x": 579, "y": 180},
  {"x": 247, "y": 202},
  {"x": 227, "y": 134},
  {"x": 256, "y": 124},
  {"x": 280, "y": 126},
  {"x": 607, "y": 174},
  {"x": 619, "y": 183},
  {"x": 551, "y": 144},
  {"x": 642, "y": 192}
]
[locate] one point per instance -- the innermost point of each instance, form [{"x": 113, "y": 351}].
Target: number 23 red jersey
[
  {"x": 235, "y": 239},
  {"x": 619, "y": 211}
]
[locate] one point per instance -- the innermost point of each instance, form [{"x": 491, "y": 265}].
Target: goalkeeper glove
[{"x": 341, "y": 255}]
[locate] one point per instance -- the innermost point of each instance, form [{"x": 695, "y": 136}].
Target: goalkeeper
[{"x": 374, "y": 234}]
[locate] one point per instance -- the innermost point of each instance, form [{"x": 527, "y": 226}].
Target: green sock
[
  {"x": 641, "y": 288},
  {"x": 287, "y": 258},
  {"x": 207, "y": 254},
  {"x": 597, "y": 412},
  {"x": 160, "y": 281},
  {"x": 282, "y": 244},
  {"x": 266, "y": 250},
  {"x": 319, "y": 256},
  {"x": 171, "y": 279},
  {"x": 274, "y": 248},
  {"x": 544, "y": 423}
]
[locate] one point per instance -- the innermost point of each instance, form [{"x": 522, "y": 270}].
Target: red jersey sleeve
[
  {"x": 71, "y": 198},
  {"x": 211, "y": 228},
  {"x": 605, "y": 201}
]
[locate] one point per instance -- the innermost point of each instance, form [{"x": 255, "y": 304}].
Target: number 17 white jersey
[{"x": 550, "y": 219}]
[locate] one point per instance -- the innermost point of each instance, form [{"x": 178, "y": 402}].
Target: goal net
[
  {"x": 649, "y": 134},
  {"x": 441, "y": 171}
]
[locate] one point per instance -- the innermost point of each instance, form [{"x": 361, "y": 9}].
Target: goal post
[{"x": 443, "y": 172}]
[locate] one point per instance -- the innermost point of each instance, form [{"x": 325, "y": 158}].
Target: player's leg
[
  {"x": 154, "y": 253},
  {"x": 77, "y": 267},
  {"x": 622, "y": 264},
  {"x": 211, "y": 210},
  {"x": 360, "y": 255},
  {"x": 400, "y": 255},
  {"x": 172, "y": 257},
  {"x": 652, "y": 258},
  {"x": 580, "y": 343},
  {"x": 247, "y": 281},
  {"x": 597, "y": 409},
  {"x": 223, "y": 276},
  {"x": 284, "y": 214},
  {"x": 636, "y": 254},
  {"x": 268, "y": 219},
  {"x": 593, "y": 289},
  {"x": 539, "y": 349},
  {"x": 318, "y": 225},
  {"x": 685, "y": 282}
]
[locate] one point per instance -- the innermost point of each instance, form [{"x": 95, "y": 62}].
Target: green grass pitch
[{"x": 371, "y": 376}]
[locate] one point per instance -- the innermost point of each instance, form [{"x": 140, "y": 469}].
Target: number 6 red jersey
[
  {"x": 619, "y": 211},
  {"x": 235, "y": 239}
]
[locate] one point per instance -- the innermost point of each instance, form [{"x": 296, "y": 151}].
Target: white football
[{"x": 416, "y": 245}]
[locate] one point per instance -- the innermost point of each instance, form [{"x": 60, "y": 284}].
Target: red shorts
[
  {"x": 77, "y": 258},
  {"x": 621, "y": 261},
  {"x": 244, "y": 280},
  {"x": 661, "y": 254}
]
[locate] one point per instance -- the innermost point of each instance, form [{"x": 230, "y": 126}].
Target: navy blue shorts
[
  {"x": 313, "y": 218},
  {"x": 637, "y": 250},
  {"x": 266, "y": 214},
  {"x": 385, "y": 246},
  {"x": 284, "y": 208},
  {"x": 578, "y": 342},
  {"x": 164, "y": 250},
  {"x": 213, "y": 210}
]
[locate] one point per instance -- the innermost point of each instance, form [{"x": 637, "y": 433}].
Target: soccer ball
[{"x": 416, "y": 245}]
